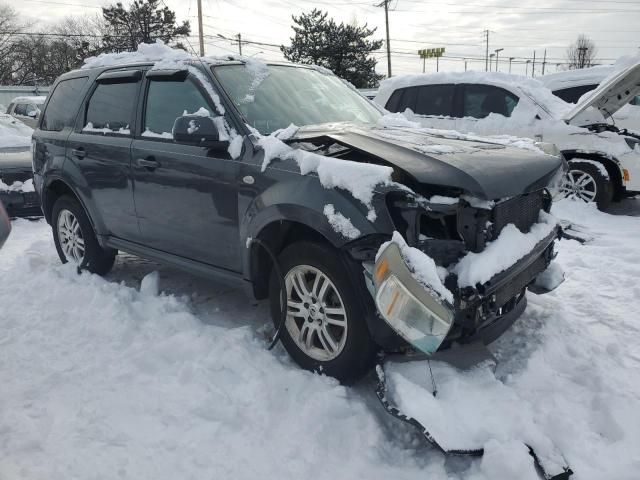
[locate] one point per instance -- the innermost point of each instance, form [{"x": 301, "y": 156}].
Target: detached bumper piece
[
  {"x": 404, "y": 384},
  {"x": 21, "y": 204}
]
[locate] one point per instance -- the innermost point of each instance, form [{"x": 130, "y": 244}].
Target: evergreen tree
[
  {"x": 144, "y": 21},
  {"x": 345, "y": 49}
]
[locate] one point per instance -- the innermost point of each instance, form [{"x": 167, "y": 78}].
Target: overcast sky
[{"x": 457, "y": 25}]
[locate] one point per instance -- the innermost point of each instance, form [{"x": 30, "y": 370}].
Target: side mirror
[
  {"x": 199, "y": 130},
  {"x": 32, "y": 113}
]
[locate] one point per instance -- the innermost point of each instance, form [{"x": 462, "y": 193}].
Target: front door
[
  {"x": 100, "y": 151},
  {"x": 186, "y": 196}
]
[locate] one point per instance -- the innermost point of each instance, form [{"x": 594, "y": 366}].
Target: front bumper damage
[{"x": 420, "y": 315}]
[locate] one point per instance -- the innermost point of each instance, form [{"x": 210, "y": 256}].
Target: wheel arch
[{"x": 611, "y": 164}]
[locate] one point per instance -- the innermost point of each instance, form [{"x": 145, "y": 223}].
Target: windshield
[{"x": 286, "y": 95}]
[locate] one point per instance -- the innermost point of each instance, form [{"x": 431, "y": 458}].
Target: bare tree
[
  {"x": 582, "y": 53},
  {"x": 10, "y": 26}
]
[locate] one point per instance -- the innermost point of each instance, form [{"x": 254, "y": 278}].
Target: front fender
[{"x": 302, "y": 199}]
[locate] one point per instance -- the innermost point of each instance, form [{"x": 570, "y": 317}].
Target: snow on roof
[
  {"x": 38, "y": 100},
  {"x": 576, "y": 78},
  {"x": 517, "y": 84}
]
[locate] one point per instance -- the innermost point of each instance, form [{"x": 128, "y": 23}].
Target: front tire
[
  {"x": 75, "y": 240},
  {"x": 587, "y": 182},
  {"x": 325, "y": 330}
]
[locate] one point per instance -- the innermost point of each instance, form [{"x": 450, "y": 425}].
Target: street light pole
[
  {"x": 200, "y": 33},
  {"x": 498, "y": 50},
  {"x": 510, "y": 60},
  {"x": 491, "y": 60},
  {"x": 526, "y": 71}
]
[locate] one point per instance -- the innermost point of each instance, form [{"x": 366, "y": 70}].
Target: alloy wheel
[
  {"x": 579, "y": 185},
  {"x": 316, "y": 316},
  {"x": 70, "y": 237}
]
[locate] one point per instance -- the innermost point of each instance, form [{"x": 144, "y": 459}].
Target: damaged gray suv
[{"x": 364, "y": 234}]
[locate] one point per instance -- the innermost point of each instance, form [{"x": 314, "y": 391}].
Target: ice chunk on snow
[
  {"x": 422, "y": 266},
  {"x": 510, "y": 246},
  {"x": 340, "y": 223},
  {"x": 149, "y": 285}
]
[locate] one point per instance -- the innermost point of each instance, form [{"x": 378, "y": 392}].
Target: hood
[
  {"x": 483, "y": 169},
  {"x": 612, "y": 94},
  {"x": 18, "y": 158}
]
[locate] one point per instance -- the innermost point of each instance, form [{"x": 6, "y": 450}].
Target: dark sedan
[{"x": 16, "y": 183}]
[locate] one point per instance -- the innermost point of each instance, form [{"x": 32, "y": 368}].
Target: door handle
[
  {"x": 79, "y": 152},
  {"x": 149, "y": 163}
]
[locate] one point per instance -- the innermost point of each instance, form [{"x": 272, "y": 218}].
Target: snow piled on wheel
[{"x": 99, "y": 379}]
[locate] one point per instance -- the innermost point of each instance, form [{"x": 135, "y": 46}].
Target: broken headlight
[{"x": 415, "y": 312}]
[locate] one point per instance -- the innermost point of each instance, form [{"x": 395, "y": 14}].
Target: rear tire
[
  {"x": 75, "y": 240},
  {"x": 586, "y": 182},
  {"x": 316, "y": 334}
]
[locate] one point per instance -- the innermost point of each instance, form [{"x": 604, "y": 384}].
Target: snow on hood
[
  {"x": 613, "y": 93},
  {"x": 531, "y": 88},
  {"x": 14, "y": 133}
]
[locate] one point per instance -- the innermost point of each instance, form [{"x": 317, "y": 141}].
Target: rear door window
[
  {"x": 111, "y": 108},
  {"x": 168, "y": 100},
  {"x": 63, "y": 106},
  {"x": 434, "y": 100},
  {"x": 481, "y": 100}
]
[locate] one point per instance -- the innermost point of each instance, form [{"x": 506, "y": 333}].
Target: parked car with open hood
[
  {"x": 604, "y": 160},
  {"x": 571, "y": 85},
  {"x": 362, "y": 232}
]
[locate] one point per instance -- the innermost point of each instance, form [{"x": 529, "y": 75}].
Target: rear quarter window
[{"x": 63, "y": 106}]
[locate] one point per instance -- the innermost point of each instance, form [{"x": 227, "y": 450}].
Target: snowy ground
[{"x": 99, "y": 380}]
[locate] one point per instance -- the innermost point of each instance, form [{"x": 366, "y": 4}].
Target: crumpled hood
[
  {"x": 615, "y": 91},
  {"x": 481, "y": 168}
]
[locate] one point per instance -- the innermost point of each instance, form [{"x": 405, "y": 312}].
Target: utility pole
[
  {"x": 385, "y": 4},
  {"x": 239, "y": 43},
  {"x": 497, "y": 53},
  {"x": 544, "y": 60},
  {"x": 486, "y": 57},
  {"x": 533, "y": 68},
  {"x": 200, "y": 33},
  {"x": 510, "y": 60}
]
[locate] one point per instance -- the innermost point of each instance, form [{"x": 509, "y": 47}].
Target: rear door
[
  {"x": 186, "y": 196},
  {"x": 58, "y": 121},
  {"x": 100, "y": 151}
]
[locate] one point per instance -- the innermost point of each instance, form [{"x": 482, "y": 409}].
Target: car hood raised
[
  {"x": 615, "y": 91},
  {"x": 483, "y": 169}
]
